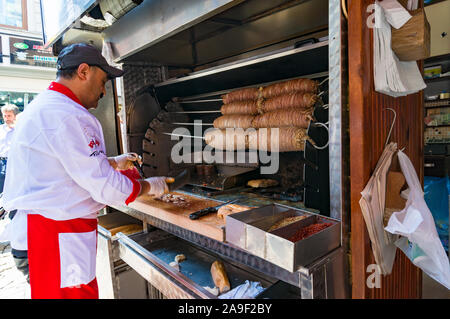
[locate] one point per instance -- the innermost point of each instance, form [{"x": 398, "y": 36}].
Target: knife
[
  {"x": 179, "y": 181},
  {"x": 209, "y": 210}
]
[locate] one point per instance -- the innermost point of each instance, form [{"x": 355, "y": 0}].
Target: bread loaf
[
  {"x": 126, "y": 229},
  {"x": 256, "y": 183},
  {"x": 224, "y": 211},
  {"x": 219, "y": 276}
]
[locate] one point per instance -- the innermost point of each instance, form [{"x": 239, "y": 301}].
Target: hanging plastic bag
[
  {"x": 248, "y": 290},
  {"x": 436, "y": 196},
  {"x": 420, "y": 241}
]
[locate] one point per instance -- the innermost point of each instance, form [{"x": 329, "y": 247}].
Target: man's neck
[{"x": 70, "y": 85}]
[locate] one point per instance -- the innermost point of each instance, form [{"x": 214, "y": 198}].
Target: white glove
[
  {"x": 158, "y": 185},
  {"x": 125, "y": 161}
]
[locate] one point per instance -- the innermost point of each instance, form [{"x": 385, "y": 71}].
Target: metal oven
[{"x": 181, "y": 58}]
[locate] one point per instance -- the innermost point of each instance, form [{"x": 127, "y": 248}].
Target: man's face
[
  {"x": 9, "y": 117},
  {"x": 94, "y": 86}
]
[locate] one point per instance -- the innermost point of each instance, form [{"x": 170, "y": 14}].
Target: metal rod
[
  {"x": 323, "y": 81},
  {"x": 200, "y": 96},
  {"x": 181, "y": 135},
  {"x": 205, "y": 124},
  {"x": 321, "y": 93},
  {"x": 195, "y": 112}
]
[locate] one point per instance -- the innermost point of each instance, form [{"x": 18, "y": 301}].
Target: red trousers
[{"x": 61, "y": 257}]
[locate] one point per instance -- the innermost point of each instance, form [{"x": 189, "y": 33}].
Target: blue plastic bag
[{"x": 436, "y": 192}]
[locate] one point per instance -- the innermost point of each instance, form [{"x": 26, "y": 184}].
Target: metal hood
[
  {"x": 191, "y": 33},
  {"x": 157, "y": 20}
]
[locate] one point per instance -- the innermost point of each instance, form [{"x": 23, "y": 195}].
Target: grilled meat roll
[
  {"x": 240, "y": 107},
  {"x": 301, "y": 100},
  {"x": 290, "y": 86},
  {"x": 234, "y": 121},
  {"x": 282, "y": 118}
]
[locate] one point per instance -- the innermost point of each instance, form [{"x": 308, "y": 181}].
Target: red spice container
[{"x": 308, "y": 231}]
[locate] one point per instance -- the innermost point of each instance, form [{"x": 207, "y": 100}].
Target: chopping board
[{"x": 209, "y": 225}]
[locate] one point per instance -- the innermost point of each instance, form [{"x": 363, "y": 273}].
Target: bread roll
[
  {"x": 179, "y": 258},
  {"x": 219, "y": 276},
  {"x": 256, "y": 183},
  {"x": 224, "y": 211},
  {"x": 126, "y": 229}
]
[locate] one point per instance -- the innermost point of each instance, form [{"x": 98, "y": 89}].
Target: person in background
[
  {"x": 59, "y": 177},
  {"x": 9, "y": 113}
]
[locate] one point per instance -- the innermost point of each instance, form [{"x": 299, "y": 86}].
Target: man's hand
[
  {"x": 125, "y": 161},
  {"x": 158, "y": 186}
]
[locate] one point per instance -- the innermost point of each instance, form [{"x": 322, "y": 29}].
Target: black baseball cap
[{"x": 75, "y": 54}]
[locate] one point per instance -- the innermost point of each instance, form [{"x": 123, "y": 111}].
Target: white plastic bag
[
  {"x": 420, "y": 241},
  {"x": 248, "y": 290},
  {"x": 392, "y": 76}
]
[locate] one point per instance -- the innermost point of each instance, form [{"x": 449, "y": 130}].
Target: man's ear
[{"x": 83, "y": 71}]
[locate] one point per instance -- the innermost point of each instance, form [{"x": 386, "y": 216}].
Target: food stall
[{"x": 193, "y": 70}]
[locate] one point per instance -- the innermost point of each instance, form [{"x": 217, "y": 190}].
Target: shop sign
[{"x": 30, "y": 52}]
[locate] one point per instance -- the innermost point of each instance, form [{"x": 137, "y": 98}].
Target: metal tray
[
  {"x": 249, "y": 230},
  {"x": 160, "y": 248}
]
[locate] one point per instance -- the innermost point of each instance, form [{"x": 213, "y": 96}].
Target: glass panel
[
  {"x": 20, "y": 99},
  {"x": 11, "y": 13}
]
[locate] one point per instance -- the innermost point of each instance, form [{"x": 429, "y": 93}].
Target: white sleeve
[{"x": 78, "y": 144}]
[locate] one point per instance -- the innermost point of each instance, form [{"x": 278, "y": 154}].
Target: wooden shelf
[
  {"x": 439, "y": 79},
  {"x": 436, "y": 107},
  {"x": 434, "y": 126}
]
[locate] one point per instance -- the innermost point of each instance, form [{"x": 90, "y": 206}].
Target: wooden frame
[
  {"x": 369, "y": 127},
  {"x": 24, "y": 18}
]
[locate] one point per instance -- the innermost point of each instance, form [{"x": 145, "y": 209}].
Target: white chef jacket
[
  {"x": 5, "y": 139},
  {"x": 57, "y": 165}
]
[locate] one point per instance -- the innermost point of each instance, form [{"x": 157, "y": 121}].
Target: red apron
[{"x": 61, "y": 257}]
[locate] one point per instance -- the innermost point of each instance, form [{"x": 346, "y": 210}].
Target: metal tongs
[
  {"x": 209, "y": 210},
  {"x": 138, "y": 164}
]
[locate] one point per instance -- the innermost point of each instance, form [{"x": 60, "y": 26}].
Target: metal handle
[{"x": 326, "y": 145}]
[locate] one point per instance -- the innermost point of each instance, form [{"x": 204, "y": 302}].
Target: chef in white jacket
[{"x": 58, "y": 177}]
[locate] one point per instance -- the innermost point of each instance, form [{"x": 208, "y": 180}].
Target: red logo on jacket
[{"x": 93, "y": 142}]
